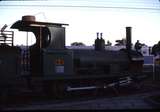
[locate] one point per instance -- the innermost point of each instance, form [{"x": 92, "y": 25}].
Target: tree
[
  {"x": 108, "y": 43},
  {"x": 77, "y": 44},
  {"x": 121, "y": 42},
  {"x": 156, "y": 49}
]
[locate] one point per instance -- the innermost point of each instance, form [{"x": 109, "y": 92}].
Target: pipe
[{"x": 81, "y": 88}]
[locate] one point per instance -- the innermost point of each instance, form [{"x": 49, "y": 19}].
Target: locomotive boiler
[{"x": 56, "y": 69}]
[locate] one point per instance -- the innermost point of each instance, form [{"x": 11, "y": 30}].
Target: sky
[{"x": 87, "y": 17}]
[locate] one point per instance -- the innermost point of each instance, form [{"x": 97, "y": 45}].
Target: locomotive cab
[{"x": 48, "y": 56}]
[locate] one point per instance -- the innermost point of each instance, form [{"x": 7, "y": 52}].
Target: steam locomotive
[{"x": 54, "y": 69}]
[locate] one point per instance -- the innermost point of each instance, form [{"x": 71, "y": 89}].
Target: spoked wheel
[
  {"x": 55, "y": 89},
  {"x": 60, "y": 89}
]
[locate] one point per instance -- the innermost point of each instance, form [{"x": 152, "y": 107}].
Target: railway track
[
  {"x": 130, "y": 101},
  {"x": 78, "y": 96}
]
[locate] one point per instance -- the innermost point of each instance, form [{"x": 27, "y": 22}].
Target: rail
[{"x": 6, "y": 37}]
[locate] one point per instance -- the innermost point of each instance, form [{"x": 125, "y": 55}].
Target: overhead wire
[{"x": 84, "y": 6}]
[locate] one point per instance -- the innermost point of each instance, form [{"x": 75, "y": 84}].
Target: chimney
[
  {"x": 102, "y": 42},
  {"x": 97, "y": 42},
  {"x": 128, "y": 38},
  {"x": 101, "y": 34},
  {"x": 97, "y": 35}
]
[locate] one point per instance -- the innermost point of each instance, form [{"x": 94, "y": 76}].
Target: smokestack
[{"x": 128, "y": 38}]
